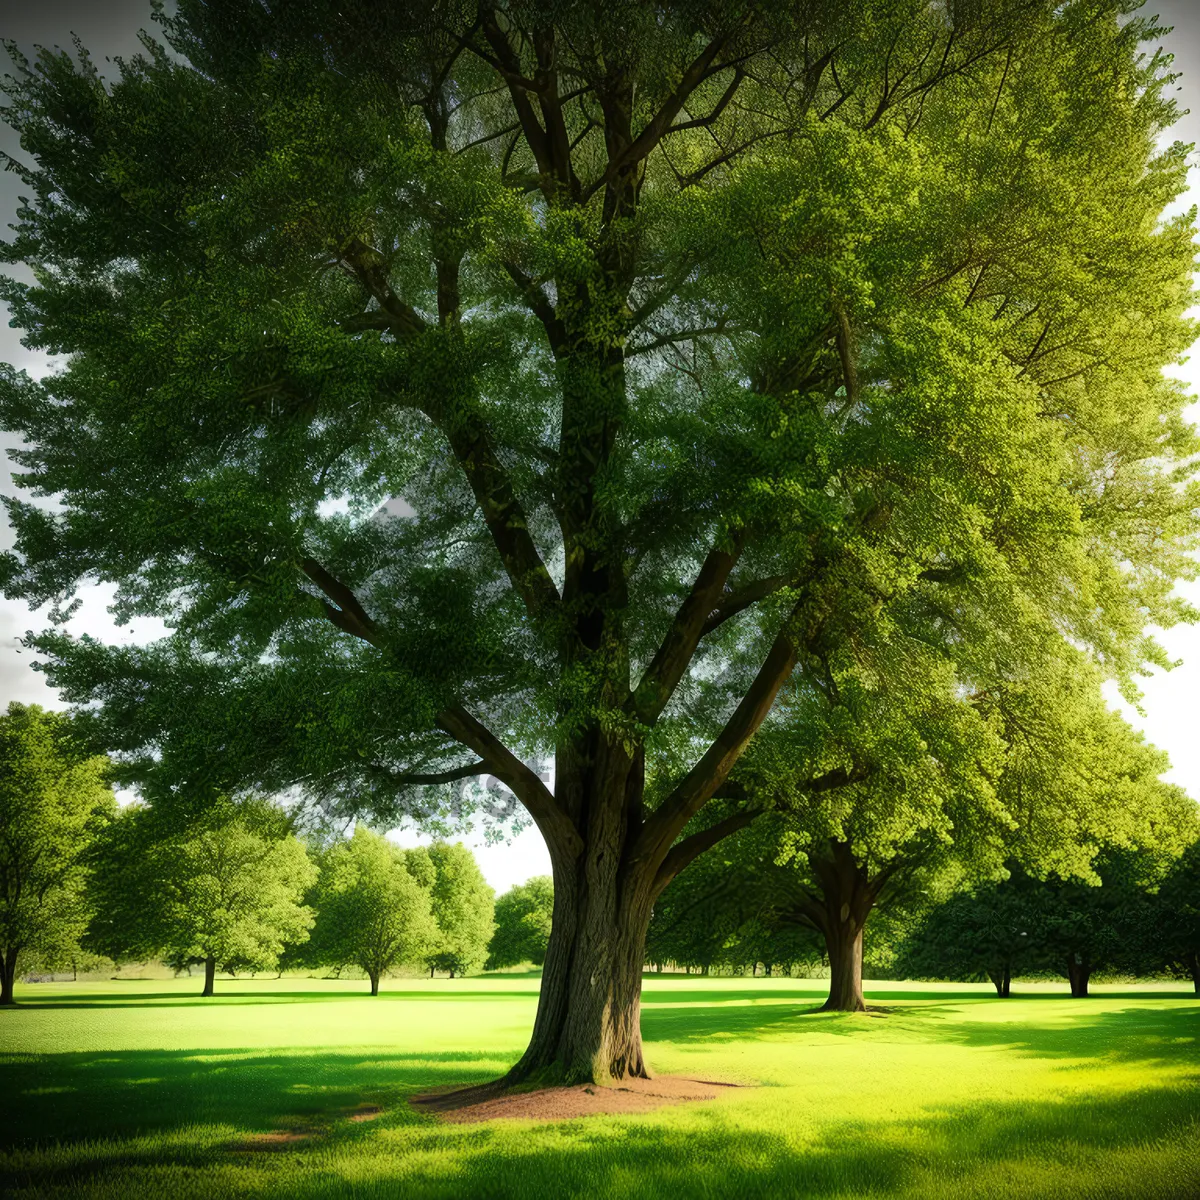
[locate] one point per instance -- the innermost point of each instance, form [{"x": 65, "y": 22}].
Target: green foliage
[
  {"x": 463, "y": 905},
  {"x": 991, "y": 239},
  {"x": 1176, "y": 915},
  {"x": 53, "y": 798},
  {"x": 370, "y": 911},
  {"x": 990, "y": 932},
  {"x": 226, "y": 886},
  {"x": 522, "y": 918}
]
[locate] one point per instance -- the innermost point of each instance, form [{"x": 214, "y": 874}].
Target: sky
[{"x": 109, "y": 28}]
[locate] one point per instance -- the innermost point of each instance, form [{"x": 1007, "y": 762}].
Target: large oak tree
[{"x": 688, "y": 339}]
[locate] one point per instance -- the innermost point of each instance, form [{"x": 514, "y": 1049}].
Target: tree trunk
[
  {"x": 210, "y": 975},
  {"x": 1007, "y": 984},
  {"x": 588, "y": 1024},
  {"x": 844, "y": 941},
  {"x": 1195, "y": 968},
  {"x": 1078, "y": 973},
  {"x": 374, "y": 983},
  {"x": 8, "y": 974},
  {"x": 430, "y": 972},
  {"x": 847, "y": 895},
  {"x": 1001, "y": 981}
]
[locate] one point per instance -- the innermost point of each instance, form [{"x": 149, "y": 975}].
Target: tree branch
[
  {"x": 562, "y": 838},
  {"x": 698, "y": 786},
  {"x": 345, "y": 612},
  {"x": 742, "y": 598},
  {"x": 476, "y": 768},
  {"x": 662, "y": 676},
  {"x": 682, "y": 853}
]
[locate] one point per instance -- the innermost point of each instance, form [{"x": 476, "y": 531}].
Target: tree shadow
[{"x": 95, "y": 1122}]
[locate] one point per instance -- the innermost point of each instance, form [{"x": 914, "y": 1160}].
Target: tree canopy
[
  {"x": 696, "y": 355},
  {"x": 463, "y": 906},
  {"x": 53, "y": 798}
]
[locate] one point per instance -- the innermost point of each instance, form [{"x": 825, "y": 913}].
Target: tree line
[{"x": 82, "y": 880}]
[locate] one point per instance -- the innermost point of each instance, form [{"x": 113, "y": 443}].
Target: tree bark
[
  {"x": 1001, "y": 981},
  {"x": 1079, "y": 971},
  {"x": 210, "y": 975},
  {"x": 8, "y": 974},
  {"x": 847, "y": 895},
  {"x": 1195, "y": 968},
  {"x": 374, "y": 983}
]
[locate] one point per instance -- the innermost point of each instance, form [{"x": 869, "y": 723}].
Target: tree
[
  {"x": 225, "y": 888},
  {"x": 463, "y": 906},
  {"x": 678, "y": 342},
  {"x": 990, "y": 932},
  {"x": 1176, "y": 917},
  {"x": 523, "y": 916},
  {"x": 52, "y": 798},
  {"x": 370, "y": 911}
]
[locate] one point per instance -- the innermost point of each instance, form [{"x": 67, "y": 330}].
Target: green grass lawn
[{"x": 141, "y": 1089}]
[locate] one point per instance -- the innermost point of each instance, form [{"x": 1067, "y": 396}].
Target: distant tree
[
  {"x": 1176, "y": 919},
  {"x": 463, "y": 906},
  {"x": 225, "y": 888},
  {"x": 1106, "y": 923},
  {"x": 370, "y": 911},
  {"x": 522, "y": 917},
  {"x": 930, "y": 784},
  {"x": 53, "y": 797},
  {"x": 990, "y": 931}
]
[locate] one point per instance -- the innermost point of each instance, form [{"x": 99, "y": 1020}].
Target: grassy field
[{"x": 140, "y": 1089}]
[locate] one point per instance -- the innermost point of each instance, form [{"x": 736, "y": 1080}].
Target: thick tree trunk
[
  {"x": 210, "y": 975},
  {"x": 848, "y": 894},
  {"x": 1079, "y": 972},
  {"x": 588, "y": 1024},
  {"x": 1001, "y": 981},
  {"x": 844, "y": 941},
  {"x": 1194, "y": 964},
  {"x": 374, "y": 984},
  {"x": 8, "y": 974}
]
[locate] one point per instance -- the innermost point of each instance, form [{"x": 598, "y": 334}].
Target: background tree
[
  {"x": 1176, "y": 915},
  {"x": 463, "y": 906},
  {"x": 370, "y": 911},
  {"x": 224, "y": 888},
  {"x": 938, "y": 789},
  {"x": 696, "y": 338},
  {"x": 989, "y": 932},
  {"x": 522, "y": 918},
  {"x": 53, "y": 797}
]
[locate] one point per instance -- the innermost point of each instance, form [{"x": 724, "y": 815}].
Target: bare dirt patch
[
  {"x": 469, "y": 1105},
  {"x": 275, "y": 1139},
  {"x": 365, "y": 1112}
]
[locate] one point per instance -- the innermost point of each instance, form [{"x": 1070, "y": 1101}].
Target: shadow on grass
[{"x": 95, "y": 1120}]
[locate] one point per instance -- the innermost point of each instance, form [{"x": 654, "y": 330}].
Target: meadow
[{"x": 140, "y": 1089}]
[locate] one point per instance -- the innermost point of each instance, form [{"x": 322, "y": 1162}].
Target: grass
[{"x": 140, "y": 1089}]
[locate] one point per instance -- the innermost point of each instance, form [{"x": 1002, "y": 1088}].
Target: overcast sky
[{"x": 109, "y": 28}]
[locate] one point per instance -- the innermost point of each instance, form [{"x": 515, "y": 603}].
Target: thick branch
[
  {"x": 702, "y": 781},
  {"x": 368, "y": 266},
  {"x": 662, "y": 676},
  {"x": 742, "y": 598},
  {"x": 692, "y": 847},
  {"x": 695, "y": 74},
  {"x": 345, "y": 612},
  {"x": 556, "y": 827}
]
